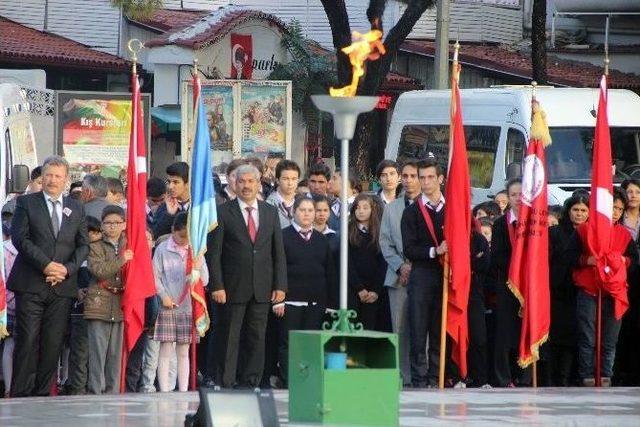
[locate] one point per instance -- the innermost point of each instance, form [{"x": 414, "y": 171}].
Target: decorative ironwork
[
  {"x": 342, "y": 322},
  {"x": 41, "y": 101}
]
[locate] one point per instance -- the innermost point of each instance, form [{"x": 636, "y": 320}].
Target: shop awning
[{"x": 167, "y": 118}]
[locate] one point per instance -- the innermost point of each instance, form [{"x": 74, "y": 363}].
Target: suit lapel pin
[{"x": 66, "y": 211}]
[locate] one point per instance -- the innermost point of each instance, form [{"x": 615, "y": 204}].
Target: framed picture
[
  {"x": 245, "y": 118},
  {"x": 94, "y": 129},
  {"x": 220, "y": 99},
  {"x": 265, "y": 109}
]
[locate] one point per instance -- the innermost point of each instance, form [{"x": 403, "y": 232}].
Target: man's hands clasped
[{"x": 55, "y": 273}]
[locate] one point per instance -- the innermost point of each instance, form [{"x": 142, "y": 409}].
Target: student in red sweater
[{"x": 623, "y": 258}]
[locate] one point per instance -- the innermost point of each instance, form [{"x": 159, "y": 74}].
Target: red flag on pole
[
  {"x": 457, "y": 231},
  {"x": 528, "y": 271},
  {"x": 139, "y": 279},
  {"x": 601, "y": 198}
]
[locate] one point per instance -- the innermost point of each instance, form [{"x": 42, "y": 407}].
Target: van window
[
  {"x": 515, "y": 147},
  {"x": 570, "y": 154},
  {"x": 418, "y": 141}
]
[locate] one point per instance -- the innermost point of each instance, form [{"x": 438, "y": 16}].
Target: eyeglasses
[{"x": 112, "y": 223}]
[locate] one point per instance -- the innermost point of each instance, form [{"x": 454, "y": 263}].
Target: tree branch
[
  {"x": 336, "y": 11},
  {"x": 377, "y": 70},
  {"x": 538, "y": 41},
  {"x": 375, "y": 12}
]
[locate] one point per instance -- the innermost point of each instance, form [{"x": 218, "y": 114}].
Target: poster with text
[
  {"x": 94, "y": 132},
  {"x": 265, "y": 119}
]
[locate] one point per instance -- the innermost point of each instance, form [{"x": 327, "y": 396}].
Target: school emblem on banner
[{"x": 241, "y": 56}]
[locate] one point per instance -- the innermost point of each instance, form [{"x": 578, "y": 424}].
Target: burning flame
[{"x": 364, "y": 46}]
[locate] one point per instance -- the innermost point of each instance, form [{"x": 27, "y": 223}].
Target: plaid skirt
[{"x": 173, "y": 327}]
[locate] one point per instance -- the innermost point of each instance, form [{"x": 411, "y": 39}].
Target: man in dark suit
[
  {"x": 423, "y": 243},
  {"x": 50, "y": 234},
  {"x": 246, "y": 256},
  {"x": 508, "y": 322}
]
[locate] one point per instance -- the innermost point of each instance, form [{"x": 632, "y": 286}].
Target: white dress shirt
[
  {"x": 47, "y": 200},
  {"x": 426, "y": 202},
  {"x": 254, "y": 212},
  {"x": 301, "y": 230}
]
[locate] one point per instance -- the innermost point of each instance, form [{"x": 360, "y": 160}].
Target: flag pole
[
  {"x": 443, "y": 321},
  {"x": 134, "y": 46},
  {"x": 598, "y": 364},
  {"x": 446, "y": 267},
  {"x": 534, "y": 373},
  {"x": 194, "y": 353}
]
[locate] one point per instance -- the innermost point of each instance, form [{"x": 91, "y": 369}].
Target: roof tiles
[
  {"x": 212, "y": 27},
  {"x": 23, "y": 45},
  {"x": 500, "y": 59},
  {"x": 167, "y": 20}
]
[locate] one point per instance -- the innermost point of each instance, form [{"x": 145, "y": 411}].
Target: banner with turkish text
[{"x": 529, "y": 268}]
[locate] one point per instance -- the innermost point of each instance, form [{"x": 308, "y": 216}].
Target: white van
[
  {"x": 497, "y": 122},
  {"x": 17, "y": 144}
]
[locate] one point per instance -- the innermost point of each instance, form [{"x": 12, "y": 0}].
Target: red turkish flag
[
  {"x": 611, "y": 273},
  {"x": 241, "y": 56},
  {"x": 529, "y": 268},
  {"x": 139, "y": 279},
  {"x": 457, "y": 232},
  {"x": 601, "y": 198}
]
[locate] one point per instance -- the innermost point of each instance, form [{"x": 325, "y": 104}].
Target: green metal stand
[
  {"x": 365, "y": 393},
  {"x": 365, "y": 390}
]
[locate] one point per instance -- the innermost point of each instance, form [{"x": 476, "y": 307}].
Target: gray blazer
[
  {"x": 391, "y": 240},
  {"x": 95, "y": 207},
  {"x": 274, "y": 200}
]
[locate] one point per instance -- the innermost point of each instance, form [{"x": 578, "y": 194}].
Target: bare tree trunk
[
  {"x": 336, "y": 11},
  {"x": 368, "y": 143},
  {"x": 376, "y": 70},
  {"x": 538, "y": 41}
]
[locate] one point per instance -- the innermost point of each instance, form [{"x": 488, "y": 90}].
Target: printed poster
[
  {"x": 95, "y": 136},
  {"x": 264, "y": 119},
  {"x": 218, "y": 104},
  {"x": 94, "y": 131}
]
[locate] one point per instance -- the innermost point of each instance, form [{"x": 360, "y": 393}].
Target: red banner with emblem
[{"x": 529, "y": 267}]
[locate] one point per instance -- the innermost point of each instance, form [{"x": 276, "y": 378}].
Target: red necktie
[{"x": 251, "y": 225}]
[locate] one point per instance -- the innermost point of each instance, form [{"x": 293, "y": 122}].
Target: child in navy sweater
[
  {"x": 367, "y": 266},
  {"x": 310, "y": 276}
]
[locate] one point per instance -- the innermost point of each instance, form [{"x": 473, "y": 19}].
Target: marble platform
[{"x": 577, "y": 407}]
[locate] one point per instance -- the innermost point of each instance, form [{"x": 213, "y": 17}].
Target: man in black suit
[
  {"x": 50, "y": 234},
  {"x": 423, "y": 243},
  {"x": 508, "y": 322},
  {"x": 246, "y": 256}
]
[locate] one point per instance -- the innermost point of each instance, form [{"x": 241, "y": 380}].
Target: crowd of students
[{"x": 395, "y": 277}]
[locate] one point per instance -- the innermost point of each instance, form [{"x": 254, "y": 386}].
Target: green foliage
[
  {"x": 310, "y": 71},
  {"x": 138, "y": 9}
]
